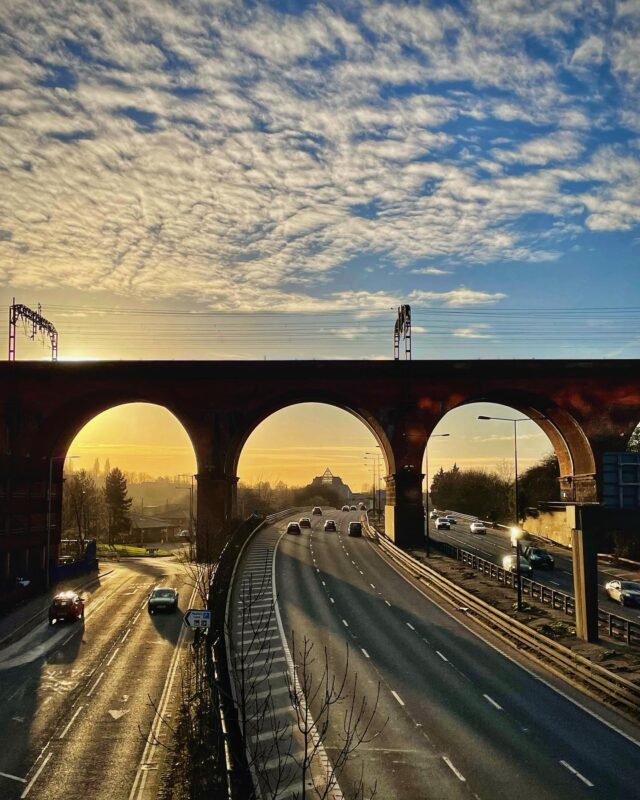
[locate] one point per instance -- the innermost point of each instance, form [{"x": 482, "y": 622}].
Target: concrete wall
[{"x": 552, "y": 525}]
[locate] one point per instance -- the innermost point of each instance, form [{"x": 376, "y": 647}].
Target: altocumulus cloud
[{"x": 222, "y": 151}]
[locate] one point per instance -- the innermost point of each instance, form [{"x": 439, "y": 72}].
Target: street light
[
  {"x": 376, "y": 474},
  {"x": 426, "y": 471},
  {"x": 516, "y": 533},
  {"x": 48, "y": 562},
  {"x": 187, "y": 475}
]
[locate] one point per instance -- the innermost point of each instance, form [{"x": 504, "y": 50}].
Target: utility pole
[
  {"x": 39, "y": 324},
  {"x": 402, "y": 328}
]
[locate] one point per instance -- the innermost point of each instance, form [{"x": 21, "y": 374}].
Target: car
[
  {"x": 627, "y": 593},
  {"x": 183, "y": 535},
  {"x": 362, "y": 507},
  {"x": 539, "y": 557},
  {"x": 304, "y": 522},
  {"x": 509, "y": 563},
  {"x": 294, "y": 528},
  {"x": 345, "y": 508},
  {"x": 163, "y": 598},
  {"x": 434, "y": 515},
  {"x": 452, "y": 519},
  {"x": 355, "y": 529},
  {"x": 443, "y": 524},
  {"x": 353, "y": 508},
  {"x": 317, "y": 511},
  {"x": 477, "y": 527},
  {"x": 66, "y": 606},
  {"x": 330, "y": 525}
]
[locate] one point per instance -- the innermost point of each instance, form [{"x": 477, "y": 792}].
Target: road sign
[{"x": 197, "y": 618}]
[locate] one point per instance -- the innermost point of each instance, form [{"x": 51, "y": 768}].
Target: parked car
[
  {"x": 353, "y": 508},
  {"x": 330, "y": 525},
  {"x": 443, "y": 524},
  {"x": 163, "y": 599},
  {"x": 477, "y": 527},
  {"x": 627, "y": 593},
  {"x": 293, "y": 527},
  {"x": 317, "y": 510},
  {"x": 66, "y": 606},
  {"x": 345, "y": 508},
  {"x": 509, "y": 563},
  {"x": 355, "y": 529},
  {"x": 304, "y": 522},
  {"x": 538, "y": 557}
]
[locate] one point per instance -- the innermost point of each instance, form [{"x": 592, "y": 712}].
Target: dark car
[
  {"x": 355, "y": 529},
  {"x": 353, "y": 508},
  {"x": 304, "y": 522},
  {"x": 345, "y": 508},
  {"x": 317, "y": 510},
  {"x": 330, "y": 525},
  {"x": 293, "y": 528},
  {"x": 539, "y": 557},
  {"x": 66, "y": 605},
  {"x": 164, "y": 599}
]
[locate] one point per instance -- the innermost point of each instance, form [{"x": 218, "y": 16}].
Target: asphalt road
[
  {"x": 463, "y": 720},
  {"x": 79, "y": 699},
  {"x": 494, "y": 545}
]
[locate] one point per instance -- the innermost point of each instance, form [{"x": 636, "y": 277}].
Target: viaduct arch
[{"x": 585, "y": 407}]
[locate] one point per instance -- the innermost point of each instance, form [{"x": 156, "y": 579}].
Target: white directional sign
[{"x": 197, "y": 618}]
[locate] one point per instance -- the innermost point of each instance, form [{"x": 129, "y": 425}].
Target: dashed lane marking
[
  {"x": 492, "y": 701},
  {"x": 364, "y": 652},
  {"x": 443, "y": 657},
  {"x": 332, "y": 600},
  {"x": 453, "y": 769},
  {"x": 388, "y": 603},
  {"x": 36, "y": 776},
  {"x": 409, "y": 625},
  {"x": 115, "y": 653},
  {"x": 345, "y": 623},
  {"x": 581, "y": 777},
  {"x": 398, "y": 698},
  {"x": 95, "y": 685},
  {"x": 73, "y": 718}
]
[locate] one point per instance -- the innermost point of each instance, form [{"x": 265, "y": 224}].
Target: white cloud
[
  {"x": 475, "y": 331},
  {"x": 430, "y": 271}
]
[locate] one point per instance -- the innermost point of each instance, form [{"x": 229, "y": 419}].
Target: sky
[
  {"x": 298, "y": 443},
  {"x": 212, "y": 179}
]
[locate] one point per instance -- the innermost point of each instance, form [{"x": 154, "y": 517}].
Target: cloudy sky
[{"x": 279, "y": 176}]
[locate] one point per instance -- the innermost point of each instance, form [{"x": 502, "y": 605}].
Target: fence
[{"x": 616, "y": 626}]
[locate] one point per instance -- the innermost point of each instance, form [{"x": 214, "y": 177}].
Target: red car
[{"x": 66, "y": 605}]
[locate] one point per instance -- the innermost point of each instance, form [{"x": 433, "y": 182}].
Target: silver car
[
  {"x": 443, "y": 524},
  {"x": 627, "y": 593},
  {"x": 477, "y": 527},
  {"x": 510, "y": 562}
]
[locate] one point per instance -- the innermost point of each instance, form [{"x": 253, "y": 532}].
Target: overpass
[{"x": 586, "y": 408}]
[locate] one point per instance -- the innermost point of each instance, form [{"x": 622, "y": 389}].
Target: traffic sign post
[{"x": 197, "y": 618}]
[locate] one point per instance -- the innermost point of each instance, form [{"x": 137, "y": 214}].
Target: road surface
[
  {"x": 463, "y": 720},
  {"x": 78, "y": 700}
]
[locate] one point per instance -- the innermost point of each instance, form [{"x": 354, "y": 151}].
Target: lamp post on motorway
[
  {"x": 426, "y": 477},
  {"x": 187, "y": 475},
  {"x": 376, "y": 475},
  {"x": 516, "y": 533},
  {"x": 48, "y": 560}
]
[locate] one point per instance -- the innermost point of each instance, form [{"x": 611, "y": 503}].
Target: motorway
[
  {"x": 463, "y": 719},
  {"x": 79, "y": 699},
  {"x": 496, "y": 544}
]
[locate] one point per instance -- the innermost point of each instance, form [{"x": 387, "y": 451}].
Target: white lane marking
[
  {"x": 443, "y": 657},
  {"x": 317, "y": 570},
  {"x": 492, "y": 701},
  {"x": 135, "y": 619},
  {"x": 115, "y": 653},
  {"x": 398, "y": 698},
  {"x": 332, "y": 600},
  {"x": 93, "y": 688},
  {"x": 361, "y": 572},
  {"x": 345, "y": 623},
  {"x": 36, "y": 776},
  {"x": 12, "y": 777},
  {"x": 586, "y": 781},
  {"x": 425, "y": 640},
  {"x": 323, "y": 583},
  {"x": 453, "y": 769},
  {"x": 372, "y": 586},
  {"x": 127, "y": 632},
  {"x": 388, "y": 603},
  {"x": 70, "y": 723},
  {"x": 353, "y": 562},
  {"x": 554, "y": 582},
  {"x": 409, "y": 625},
  {"x": 366, "y": 655}
]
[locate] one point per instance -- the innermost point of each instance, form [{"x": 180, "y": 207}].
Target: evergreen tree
[
  {"x": 118, "y": 504},
  {"x": 107, "y": 468}
]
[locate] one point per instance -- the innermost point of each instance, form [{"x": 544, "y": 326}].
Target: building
[{"x": 329, "y": 480}]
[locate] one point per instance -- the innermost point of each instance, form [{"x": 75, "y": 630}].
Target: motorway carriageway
[
  {"x": 78, "y": 700},
  {"x": 463, "y": 719},
  {"x": 494, "y": 545}
]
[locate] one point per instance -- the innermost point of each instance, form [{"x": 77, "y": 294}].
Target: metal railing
[
  {"x": 593, "y": 678},
  {"x": 616, "y": 626}
]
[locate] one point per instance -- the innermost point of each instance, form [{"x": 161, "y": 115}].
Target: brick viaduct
[{"x": 585, "y": 407}]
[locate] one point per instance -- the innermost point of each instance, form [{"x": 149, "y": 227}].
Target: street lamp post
[
  {"x": 516, "y": 533},
  {"x": 426, "y": 476},
  {"x": 376, "y": 475}
]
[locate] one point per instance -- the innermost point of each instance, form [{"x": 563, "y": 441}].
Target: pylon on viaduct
[{"x": 586, "y": 408}]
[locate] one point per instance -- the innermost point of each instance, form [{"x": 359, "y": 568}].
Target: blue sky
[{"x": 322, "y": 158}]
